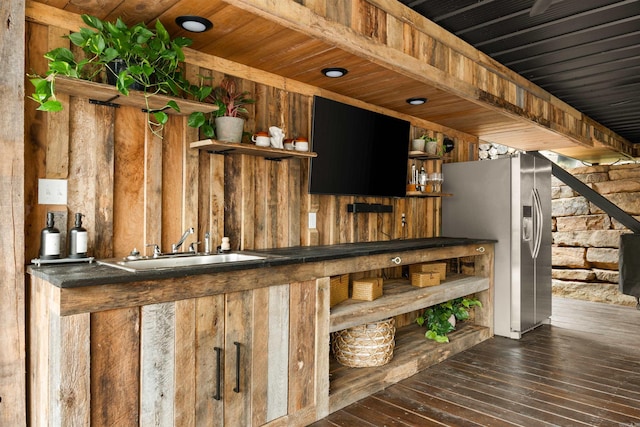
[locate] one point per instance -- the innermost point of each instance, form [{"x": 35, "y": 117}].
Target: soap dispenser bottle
[
  {"x": 78, "y": 239},
  {"x": 50, "y": 240}
]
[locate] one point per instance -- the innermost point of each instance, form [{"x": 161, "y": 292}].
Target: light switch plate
[
  {"x": 312, "y": 220},
  {"x": 52, "y": 191}
]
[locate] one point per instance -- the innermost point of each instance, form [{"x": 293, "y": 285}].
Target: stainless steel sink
[{"x": 177, "y": 260}]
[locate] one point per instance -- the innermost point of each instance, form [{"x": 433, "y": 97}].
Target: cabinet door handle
[
  {"x": 218, "y": 351},
  {"x": 237, "y": 387},
  {"x": 480, "y": 249},
  {"x": 397, "y": 260}
]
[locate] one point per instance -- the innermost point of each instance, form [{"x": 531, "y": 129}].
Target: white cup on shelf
[
  {"x": 301, "y": 144},
  {"x": 261, "y": 141}
]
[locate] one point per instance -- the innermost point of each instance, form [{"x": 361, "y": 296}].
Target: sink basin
[{"x": 178, "y": 260}]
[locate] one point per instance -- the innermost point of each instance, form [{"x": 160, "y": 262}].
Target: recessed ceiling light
[
  {"x": 334, "y": 72},
  {"x": 416, "y": 101},
  {"x": 195, "y": 24}
]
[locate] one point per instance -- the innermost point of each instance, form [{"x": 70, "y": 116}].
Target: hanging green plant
[
  {"x": 437, "y": 318},
  {"x": 133, "y": 57}
]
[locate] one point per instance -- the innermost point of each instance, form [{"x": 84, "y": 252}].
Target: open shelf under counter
[
  {"x": 105, "y": 94},
  {"x": 220, "y": 147},
  {"x": 412, "y": 353},
  {"x": 401, "y": 297}
]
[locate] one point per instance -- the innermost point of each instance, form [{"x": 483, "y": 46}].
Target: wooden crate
[
  {"x": 440, "y": 267},
  {"x": 339, "y": 289},
  {"x": 366, "y": 289},
  {"x": 422, "y": 279}
]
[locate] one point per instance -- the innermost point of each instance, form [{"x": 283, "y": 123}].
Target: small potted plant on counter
[{"x": 440, "y": 319}]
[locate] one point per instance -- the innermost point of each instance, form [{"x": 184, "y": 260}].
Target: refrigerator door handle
[
  {"x": 527, "y": 229},
  {"x": 537, "y": 223}
]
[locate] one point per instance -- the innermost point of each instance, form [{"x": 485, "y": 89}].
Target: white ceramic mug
[
  {"x": 301, "y": 145},
  {"x": 261, "y": 141}
]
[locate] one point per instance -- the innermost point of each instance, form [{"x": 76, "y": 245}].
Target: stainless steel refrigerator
[{"x": 509, "y": 200}]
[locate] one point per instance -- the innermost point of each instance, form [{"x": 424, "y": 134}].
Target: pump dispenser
[
  {"x": 78, "y": 239},
  {"x": 50, "y": 240}
]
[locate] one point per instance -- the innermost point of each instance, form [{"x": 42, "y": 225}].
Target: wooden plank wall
[
  {"x": 137, "y": 189},
  {"x": 12, "y": 165}
]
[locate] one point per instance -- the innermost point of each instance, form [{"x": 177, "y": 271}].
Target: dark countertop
[{"x": 90, "y": 274}]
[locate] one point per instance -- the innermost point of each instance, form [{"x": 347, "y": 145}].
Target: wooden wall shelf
[
  {"x": 421, "y": 194},
  {"x": 219, "y": 147},
  {"x": 420, "y": 155},
  {"x": 108, "y": 95}
]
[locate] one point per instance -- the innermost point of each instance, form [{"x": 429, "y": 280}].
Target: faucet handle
[
  {"x": 192, "y": 246},
  {"x": 156, "y": 249}
]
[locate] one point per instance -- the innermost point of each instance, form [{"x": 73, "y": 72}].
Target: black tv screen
[{"x": 360, "y": 152}]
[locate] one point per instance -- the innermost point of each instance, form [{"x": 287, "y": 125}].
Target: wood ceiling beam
[{"x": 510, "y": 94}]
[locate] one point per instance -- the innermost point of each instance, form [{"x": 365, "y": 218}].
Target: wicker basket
[
  {"x": 365, "y": 345},
  {"x": 339, "y": 289},
  {"x": 440, "y": 267},
  {"x": 366, "y": 289},
  {"x": 425, "y": 278}
]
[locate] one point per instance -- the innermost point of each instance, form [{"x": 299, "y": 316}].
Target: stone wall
[{"x": 585, "y": 239}]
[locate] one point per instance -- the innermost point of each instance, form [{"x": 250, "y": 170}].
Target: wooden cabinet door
[
  {"x": 256, "y": 356},
  {"x": 238, "y": 351},
  {"x": 270, "y": 354}
]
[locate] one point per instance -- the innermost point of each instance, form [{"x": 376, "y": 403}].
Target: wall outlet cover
[{"x": 52, "y": 191}]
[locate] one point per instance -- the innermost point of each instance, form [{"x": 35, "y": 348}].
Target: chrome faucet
[
  {"x": 156, "y": 250},
  {"x": 176, "y": 246}
]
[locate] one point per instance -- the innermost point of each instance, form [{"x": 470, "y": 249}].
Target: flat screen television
[{"x": 360, "y": 152}]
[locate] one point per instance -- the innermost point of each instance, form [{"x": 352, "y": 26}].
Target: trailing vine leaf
[
  {"x": 161, "y": 117},
  {"x": 50, "y": 106},
  {"x": 174, "y": 105},
  {"x": 196, "y": 119}
]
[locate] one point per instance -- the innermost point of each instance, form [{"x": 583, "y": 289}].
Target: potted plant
[
  {"x": 130, "y": 57},
  {"x": 419, "y": 143},
  {"x": 431, "y": 146},
  {"x": 440, "y": 319},
  {"x": 232, "y": 110}
]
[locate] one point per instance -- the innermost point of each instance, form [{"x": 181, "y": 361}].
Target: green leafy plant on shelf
[
  {"x": 231, "y": 102},
  {"x": 135, "y": 57},
  {"x": 427, "y": 138},
  {"x": 437, "y": 318}
]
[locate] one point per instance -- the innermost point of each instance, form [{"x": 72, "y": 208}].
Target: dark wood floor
[{"x": 582, "y": 370}]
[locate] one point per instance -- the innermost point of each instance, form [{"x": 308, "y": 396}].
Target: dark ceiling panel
[{"x": 584, "y": 52}]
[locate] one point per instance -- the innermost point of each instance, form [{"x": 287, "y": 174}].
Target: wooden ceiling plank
[
  {"x": 459, "y": 80},
  {"x": 209, "y": 9},
  {"x": 456, "y": 76}
]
